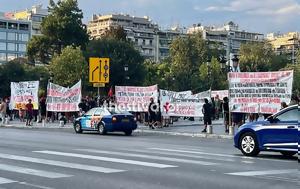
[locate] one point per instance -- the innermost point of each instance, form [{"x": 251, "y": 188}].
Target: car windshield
[
  {"x": 90, "y": 112},
  {"x": 114, "y": 111}
]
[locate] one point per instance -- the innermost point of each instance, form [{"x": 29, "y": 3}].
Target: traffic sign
[
  {"x": 99, "y": 70},
  {"x": 98, "y": 84}
]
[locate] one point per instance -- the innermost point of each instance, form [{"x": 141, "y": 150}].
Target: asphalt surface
[{"x": 47, "y": 159}]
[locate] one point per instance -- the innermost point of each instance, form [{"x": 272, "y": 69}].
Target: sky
[{"x": 263, "y": 16}]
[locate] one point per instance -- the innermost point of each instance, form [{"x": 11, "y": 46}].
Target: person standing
[
  {"x": 226, "y": 114},
  {"x": 207, "y": 112},
  {"x": 29, "y": 113},
  {"x": 3, "y": 108},
  {"x": 152, "y": 113},
  {"x": 217, "y": 106}
]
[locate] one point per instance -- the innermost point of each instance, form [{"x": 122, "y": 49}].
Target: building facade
[
  {"x": 151, "y": 42},
  {"x": 229, "y": 36},
  {"x": 14, "y": 36},
  {"x": 288, "y": 44}
]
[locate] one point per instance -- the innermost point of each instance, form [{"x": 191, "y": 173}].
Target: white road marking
[
  {"x": 6, "y": 181},
  {"x": 215, "y": 154},
  {"x": 183, "y": 155},
  {"x": 61, "y": 164},
  {"x": 260, "y": 173},
  {"x": 191, "y": 152},
  {"x": 149, "y": 157},
  {"x": 35, "y": 186},
  {"x": 108, "y": 159},
  {"x": 35, "y": 172}
]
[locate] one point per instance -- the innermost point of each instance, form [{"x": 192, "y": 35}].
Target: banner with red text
[
  {"x": 21, "y": 92},
  {"x": 182, "y": 104},
  {"x": 259, "y": 92},
  {"x": 135, "y": 99},
  {"x": 61, "y": 99}
]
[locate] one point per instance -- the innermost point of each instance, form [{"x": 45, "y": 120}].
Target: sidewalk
[
  {"x": 179, "y": 128},
  {"x": 189, "y": 128}
]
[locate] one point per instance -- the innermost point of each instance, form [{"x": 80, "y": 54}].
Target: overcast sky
[{"x": 263, "y": 16}]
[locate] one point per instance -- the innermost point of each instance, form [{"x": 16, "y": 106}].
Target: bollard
[
  {"x": 61, "y": 123},
  {"x": 209, "y": 129},
  {"x": 43, "y": 123},
  {"x": 231, "y": 130},
  {"x": 6, "y": 121}
]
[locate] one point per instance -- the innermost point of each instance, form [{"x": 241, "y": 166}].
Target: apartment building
[
  {"x": 288, "y": 44},
  {"x": 14, "y": 36}
]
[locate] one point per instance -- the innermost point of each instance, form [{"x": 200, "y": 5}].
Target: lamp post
[
  {"x": 208, "y": 63},
  {"x": 126, "y": 68}
]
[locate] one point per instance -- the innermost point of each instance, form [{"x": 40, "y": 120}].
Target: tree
[
  {"x": 256, "y": 56},
  {"x": 69, "y": 67},
  {"x": 117, "y": 33},
  {"x": 61, "y": 28},
  {"x": 212, "y": 76},
  {"x": 296, "y": 84},
  {"x": 121, "y": 53},
  {"x": 298, "y": 57}
]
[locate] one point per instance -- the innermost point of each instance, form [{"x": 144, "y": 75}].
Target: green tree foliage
[
  {"x": 212, "y": 75},
  {"x": 187, "y": 55},
  {"x": 296, "y": 84},
  {"x": 115, "y": 33},
  {"x": 298, "y": 57},
  {"x": 121, "y": 53},
  {"x": 16, "y": 71},
  {"x": 61, "y": 28},
  {"x": 69, "y": 67},
  {"x": 260, "y": 57}
]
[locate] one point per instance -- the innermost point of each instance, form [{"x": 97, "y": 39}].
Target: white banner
[
  {"x": 61, "y": 99},
  {"x": 135, "y": 99},
  {"x": 221, "y": 94},
  {"x": 182, "y": 104},
  {"x": 21, "y": 92},
  {"x": 259, "y": 92}
]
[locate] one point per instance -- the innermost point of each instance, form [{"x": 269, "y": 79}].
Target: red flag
[{"x": 110, "y": 93}]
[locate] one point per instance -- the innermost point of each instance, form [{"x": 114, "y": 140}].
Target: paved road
[{"x": 44, "y": 159}]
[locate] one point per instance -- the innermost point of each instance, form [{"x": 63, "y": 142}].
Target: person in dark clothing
[
  {"x": 152, "y": 113},
  {"x": 43, "y": 108},
  {"x": 226, "y": 114},
  {"x": 206, "y": 110}
]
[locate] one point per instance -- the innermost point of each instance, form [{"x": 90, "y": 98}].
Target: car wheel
[
  {"x": 249, "y": 144},
  {"x": 78, "y": 128},
  {"x": 101, "y": 129},
  {"x": 128, "y": 133},
  {"x": 288, "y": 154}
]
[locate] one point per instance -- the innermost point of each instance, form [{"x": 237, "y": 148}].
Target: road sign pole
[{"x": 98, "y": 96}]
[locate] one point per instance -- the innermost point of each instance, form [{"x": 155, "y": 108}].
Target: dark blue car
[
  {"x": 105, "y": 120},
  {"x": 278, "y": 133}
]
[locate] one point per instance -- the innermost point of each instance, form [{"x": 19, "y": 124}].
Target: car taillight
[{"x": 114, "y": 119}]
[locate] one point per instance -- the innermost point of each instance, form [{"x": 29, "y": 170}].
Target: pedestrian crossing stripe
[
  {"x": 34, "y": 172},
  {"x": 108, "y": 159},
  {"x": 179, "y": 160},
  {"x": 60, "y": 164},
  {"x": 6, "y": 181},
  {"x": 261, "y": 173}
]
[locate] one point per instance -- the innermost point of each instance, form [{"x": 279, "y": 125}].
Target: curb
[
  {"x": 33, "y": 127},
  {"x": 199, "y": 135}
]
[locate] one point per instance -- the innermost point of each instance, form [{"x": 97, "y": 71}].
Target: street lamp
[{"x": 208, "y": 63}]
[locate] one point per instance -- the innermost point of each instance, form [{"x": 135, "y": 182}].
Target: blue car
[
  {"x": 278, "y": 133},
  {"x": 105, "y": 120}
]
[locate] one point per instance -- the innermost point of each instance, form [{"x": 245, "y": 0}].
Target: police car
[
  {"x": 105, "y": 120},
  {"x": 278, "y": 133}
]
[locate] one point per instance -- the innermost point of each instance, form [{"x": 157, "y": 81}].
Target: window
[
  {"x": 13, "y": 26},
  {"x": 291, "y": 115},
  {"x": 98, "y": 112},
  {"x": 2, "y": 57},
  {"x": 2, "y": 46},
  {"x": 3, "y": 35},
  {"x": 90, "y": 112},
  {"x": 2, "y": 24},
  {"x": 11, "y": 46},
  {"x": 11, "y": 57},
  {"x": 24, "y": 27},
  {"x": 22, "y": 47},
  {"x": 11, "y": 36},
  {"x": 23, "y": 37}
]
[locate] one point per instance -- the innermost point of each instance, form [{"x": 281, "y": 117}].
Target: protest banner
[
  {"x": 259, "y": 92},
  {"x": 182, "y": 104},
  {"x": 135, "y": 99},
  {"x": 221, "y": 94},
  {"x": 21, "y": 92},
  {"x": 61, "y": 99}
]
